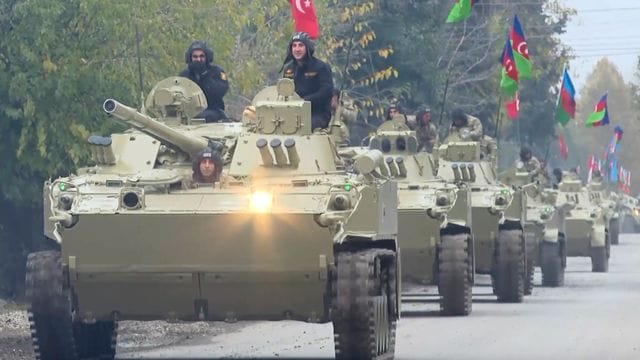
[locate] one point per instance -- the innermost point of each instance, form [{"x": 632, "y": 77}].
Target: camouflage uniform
[
  {"x": 473, "y": 125},
  {"x": 347, "y": 117},
  {"x": 533, "y": 166},
  {"x": 427, "y": 137}
]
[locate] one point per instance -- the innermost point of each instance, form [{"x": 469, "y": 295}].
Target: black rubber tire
[
  {"x": 600, "y": 256},
  {"x": 54, "y": 333},
  {"x": 363, "y": 306},
  {"x": 455, "y": 277},
  {"x": 628, "y": 225},
  {"x": 530, "y": 266},
  {"x": 509, "y": 267},
  {"x": 552, "y": 268},
  {"x": 614, "y": 231}
]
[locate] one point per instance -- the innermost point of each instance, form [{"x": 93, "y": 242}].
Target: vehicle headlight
[
  {"x": 636, "y": 212},
  {"x": 443, "y": 198},
  {"x": 341, "y": 202},
  {"x": 65, "y": 201},
  {"x": 261, "y": 201}
]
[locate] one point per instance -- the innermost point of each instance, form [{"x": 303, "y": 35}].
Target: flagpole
[
  {"x": 498, "y": 121},
  {"x": 555, "y": 110}
]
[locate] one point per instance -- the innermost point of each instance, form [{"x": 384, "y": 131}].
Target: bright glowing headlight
[
  {"x": 636, "y": 212},
  {"x": 261, "y": 201}
]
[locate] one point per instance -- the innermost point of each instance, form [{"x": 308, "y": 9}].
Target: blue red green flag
[
  {"x": 520, "y": 49},
  {"x": 566, "y": 105},
  {"x": 461, "y": 10},
  {"x": 600, "y": 115},
  {"x": 509, "y": 79}
]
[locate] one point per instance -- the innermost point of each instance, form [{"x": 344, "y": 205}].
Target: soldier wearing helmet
[
  {"x": 426, "y": 131},
  {"x": 460, "y": 120},
  {"x": 207, "y": 166},
  {"x": 531, "y": 163},
  {"x": 312, "y": 77},
  {"x": 211, "y": 79}
]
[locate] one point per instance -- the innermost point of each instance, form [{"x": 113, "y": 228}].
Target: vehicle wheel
[
  {"x": 628, "y": 225},
  {"x": 614, "y": 231},
  {"x": 454, "y": 277},
  {"x": 600, "y": 257},
  {"x": 54, "y": 332},
  {"x": 509, "y": 266},
  {"x": 364, "y": 304},
  {"x": 552, "y": 269}
]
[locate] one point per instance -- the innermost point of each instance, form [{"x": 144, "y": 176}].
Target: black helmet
[
  {"x": 525, "y": 153},
  {"x": 420, "y": 113},
  {"x": 459, "y": 114},
  {"x": 207, "y": 153},
  {"x": 199, "y": 45},
  {"x": 306, "y": 40}
]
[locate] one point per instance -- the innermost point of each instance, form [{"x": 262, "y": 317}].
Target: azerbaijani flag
[
  {"x": 520, "y": 49},
  {"x": 460, "y": 11},
  {"x": 566, "y": 105},
  {"x": 600, "y": 116},
  {"x": 509, "y": 79},
  {"x": 513, "y": 107}
]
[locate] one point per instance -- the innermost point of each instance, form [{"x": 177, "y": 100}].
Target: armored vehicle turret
[
  {"x": 585, "y": 224},
  {"x": 543, "y": 227},
  {"x": 434, "y": 219},
  {"x": 499, "y": 245},
  {"x": 280, "y": 232}
]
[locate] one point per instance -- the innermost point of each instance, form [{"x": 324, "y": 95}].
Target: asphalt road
[{"x": 595, "y": 316}]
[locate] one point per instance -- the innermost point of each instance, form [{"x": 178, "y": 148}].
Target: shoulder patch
[
  {"x": 223, "y": 76},
  {"x": 310, "y": 73}
]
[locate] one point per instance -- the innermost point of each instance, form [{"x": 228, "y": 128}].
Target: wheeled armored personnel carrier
[
  {"x": 585, "y": 224},
  {"x": 629, "y": 213},
  {"x": 282, "y": 233},
  {"x": 499, "y": 245},
  {"x": 543, "y": 227},
  {"x": 434, "y": 219},
  {"x": 608, "y": 201}
]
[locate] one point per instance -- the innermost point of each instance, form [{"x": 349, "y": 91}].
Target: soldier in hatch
[
  {"x": 531, "y": 163},
  {"x": 344, "y": 114},
  {"x": 312, "y": 77},
  {"x": 211, "y": 79},
  {"x": 207, "y": 166},
  {"x": 460, "y": 120},
  {"x": 426, "y": 131}
]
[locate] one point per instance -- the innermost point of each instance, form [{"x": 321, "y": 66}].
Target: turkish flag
[
  {"x": 304, "y": 17},
  {"x": 513, "y": 107},
  {"x": 564, "y": 149}
]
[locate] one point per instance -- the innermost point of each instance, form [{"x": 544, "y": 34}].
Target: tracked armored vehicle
[
  {"x": 434, "y": 219},
  {"x": 282, "y": 233},
  {"x": 499, "y": 245},
  {"x": 543, "y": 227},
  {"x": 585, "y": 224}
]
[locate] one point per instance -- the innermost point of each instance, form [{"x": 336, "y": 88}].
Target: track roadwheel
[
  {"x": 508, "y": 270},
  {"x": 455, "y": 274},
  {"x": 614, "y": 231},
  {"x": 54, "y": 333},
  {"x": 552, "y": 269},
  {"x": 364, "y": 308}
]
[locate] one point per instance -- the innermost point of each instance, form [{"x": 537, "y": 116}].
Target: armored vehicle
[
  {"x": 543, "y": 227},
  {"x": 608, "y": 201},
  {"x": 629, "y": 213},
  {"x": 499, "y": 245},
  {"x": 586, "y": 233},
  {"x": 434, "y": 219},
  {"x": 282, "y": 233}
]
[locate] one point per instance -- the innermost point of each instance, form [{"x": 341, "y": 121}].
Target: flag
[
  {"x": 600, "y": 115},
  {"x": 460, "y": 11},
  {"x": 520, "y": 49},
  {"x": 304, "y": 17},
  {"x": 509, "y": 80},
  {"x": 513, "y": 107},
  {"x": 566, "y": 105},
  {"x": 564, "y": 149},
  {"x": 592, "y": 164},
  {"x": 613, "y": 174},
  {"x": 614, "y": 143}
]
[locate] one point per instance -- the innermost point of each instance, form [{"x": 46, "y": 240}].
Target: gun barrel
[{"x": 154, "y": 128}]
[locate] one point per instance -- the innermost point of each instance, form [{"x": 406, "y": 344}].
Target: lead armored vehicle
[
  {"x": 543, "y": 227},
  {"x": 585, "y": 224},
  {"x": 434, "y": 219},
  {"x": 282, "y": 233},
  {"x": 499, "y": 245}
]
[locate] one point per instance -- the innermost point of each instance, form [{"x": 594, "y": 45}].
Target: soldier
[
  {"x": 345, "y": 117},
  {"x": 211, "y": 79},
  {"x": 557, "y": 173},
  {"x": 426, "y": 131},
  {"x": 207, "y": 166},
  {"x": 460, "y": 120},
  {"x": 531, "y": 163},
  {"x": 312, "y": 77}
]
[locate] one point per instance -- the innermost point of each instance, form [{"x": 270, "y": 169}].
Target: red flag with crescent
[{"x": 304, "y": 17}]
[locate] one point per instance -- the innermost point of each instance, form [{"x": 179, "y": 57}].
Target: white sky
[{"x": 603, "y": 28}]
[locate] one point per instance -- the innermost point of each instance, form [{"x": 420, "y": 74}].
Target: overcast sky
[{"x": 600, "y": 28}]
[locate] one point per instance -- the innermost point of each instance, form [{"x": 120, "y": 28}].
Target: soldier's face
[
  {"x": 426, "y": 118},
  {"x": 198, "y": 56},
  {"x": 298, "y": 50},
  {"x": 207, "y": 167}
]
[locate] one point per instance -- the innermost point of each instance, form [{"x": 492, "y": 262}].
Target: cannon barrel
[{"x": 154, "y": 128}]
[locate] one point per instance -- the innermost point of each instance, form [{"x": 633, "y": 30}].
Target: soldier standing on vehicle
[
  {"x": 531, "y": 163},
  {"x": 460, "y": 120},
  {"x": 426, "y": 131},
  {"x": 312, "y": 77},
  {"x": 211, "y": 79}
]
